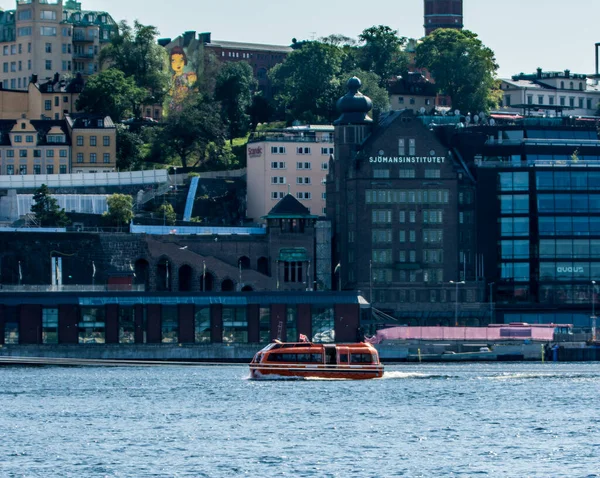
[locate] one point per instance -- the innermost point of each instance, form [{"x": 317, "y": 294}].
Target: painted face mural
[{"x": 184, "y": 75}]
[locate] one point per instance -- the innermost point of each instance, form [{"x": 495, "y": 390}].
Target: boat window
[
  {"x": 277, "y": 357},
  {"x": 343, "y": 358},
  {"x": 361, "y": 358},
  {"x": 316, "y": 358}
]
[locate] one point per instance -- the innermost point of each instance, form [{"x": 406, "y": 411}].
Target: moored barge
[{"x": 309, "y": 360}]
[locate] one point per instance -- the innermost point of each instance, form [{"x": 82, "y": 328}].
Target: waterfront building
[
  {"x": 551, "y": 93},
  {"x": 443, "y": 14},
  {"x": 293, "y": 160},
  {"x": 43, "y": 37},
  {"x": 415, "y": 91},
  {"x": 129, "y": 318},
  {"x": 538, "y": 212},
  {"x": 198, "y": 52},
  {"x": 79, "y": 143},
  {"x": 402, "y": 212}
]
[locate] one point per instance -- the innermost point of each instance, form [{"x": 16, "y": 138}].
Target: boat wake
[
  {"x": 415, "y": 376},
  {"x": 544, "y": 376}
]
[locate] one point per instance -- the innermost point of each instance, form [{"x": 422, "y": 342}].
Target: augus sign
[{"x": 255, "y": 152}]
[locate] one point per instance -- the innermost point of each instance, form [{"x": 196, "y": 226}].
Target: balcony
[
  {"x": 83, "y": 56},
  {"x": 82, "y": 39}
]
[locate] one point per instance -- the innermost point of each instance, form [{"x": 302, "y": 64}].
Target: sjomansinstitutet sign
[{"x": 408, "y": 159}]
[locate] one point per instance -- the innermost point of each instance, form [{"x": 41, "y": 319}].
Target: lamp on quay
[{"x": 456, "y": 301}]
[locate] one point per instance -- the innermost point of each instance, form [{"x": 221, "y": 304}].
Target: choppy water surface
[{"x": 418, "y": 421}]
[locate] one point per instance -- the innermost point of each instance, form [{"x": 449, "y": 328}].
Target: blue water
[{"x": 521, "y": 420}]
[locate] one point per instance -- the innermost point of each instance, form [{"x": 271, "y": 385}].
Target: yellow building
[
  {"x": 79, "y": 144},
  {"x": 94, "y": 143}
]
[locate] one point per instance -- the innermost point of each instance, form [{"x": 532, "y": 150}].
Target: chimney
[
  {"x": 204, "y": 37},
  {"x": 567, "y": 73},
  {"x": 188, "y": 37},
  {"x": 34, "y": 79},
  {"x": 539, "y": 73}
]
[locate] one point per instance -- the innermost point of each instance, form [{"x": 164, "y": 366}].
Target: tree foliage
[
  {"x": 129, "y": 149},
  {"x": 46, "y": 209},
  {"x": 134, "y": 51},
  {"x": 370, "y": 87},
  {"x": 462, "y": 66},
  {"x": 120, "y": 209},
  {"x": 167, "y": 213},
  {"x": 235, "y": 86},
  {"x": 112, "y": 94},
  {"x": 307, "y": 81},
  {"x": 188, "y": 131},
  {"x": 381, "y": 53}
]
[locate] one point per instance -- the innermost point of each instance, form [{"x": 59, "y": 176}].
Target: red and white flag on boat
[{"x": 303, "y": 338}]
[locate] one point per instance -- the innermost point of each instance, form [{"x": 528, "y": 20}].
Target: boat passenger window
[
  {"x": 316, "y": 358},
  {"x": 343, "y": 358},
  {"x": 360, "y": 358}
]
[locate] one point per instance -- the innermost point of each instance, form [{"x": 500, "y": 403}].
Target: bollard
[
  {"x": 419, "y": 352},
  {"x": 543, "y": 354}
]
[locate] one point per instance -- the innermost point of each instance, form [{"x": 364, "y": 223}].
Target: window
[
  {"x": 24, "y": 15},
  {"x": 48, "y": 64},
  {"x": 49, "y": 153},
  {"x": 169, "y": 325},
  {"x": 301, "y": 150},
  {"x": 92, "y": 325},
  {"x": 24, "y": 32},
  {"x": 23, "y": 169},
  {"x": 407, "y": 173},
  {"x": 10, "y": 169},
  {"x": 13, "y": 66},
  {"x": 326, "y": 150},
  {"x": 29, "y": 138},
  {"x": 551, "y": 100},
  {"x": 402, "y": 236},
  {"x": 381, "y": 256},
  {"x": 277, "y": 180},
  {"x": 433, "y": 173},
  {"x": 106, "y": 140},
  {"x": 63, "y": 169},
  {"x": 37, "y": 169},
  {"x": 277, "y": 149},
  {"x": 324, "y": 166},
  {"x": 412, "y": 147},
  {"x": 381, "y": 173},
  {"x": 48, "y": 47},
  {"x": 49, "y": 326},
  {"x": 48, "y": 15},
  {"x": 303, "y": 195},
  {"x": 433, "y": 236},
  {"x": 292, "y": 272},
  {"x": 402, "y": 216},
  {"x": 513, "y": 181},
  {"x": 92, "y": 158},
  {"x": 106, "y": 158},
  {"x": 412, "y": 236},
  {"x": 63, "y": 153},
  {"x": 79, "y": 140},
  {"x": 381, "y": 235},
  {"x": 18, "y": 138},
  {"x": 48, "y": 31},
  {"x": 22, "y": 153},
  {"x": 37, "y": 153},
  {"x": 80, "y": 157},
  {"x": 381, "y": 216},
  {"x": 401, "y": 147},
  {"x": 277, "y": 195},
  {"x": 92, "y": 140},
  {"x": 432, "y": 216},
  {"x": 412, "y": 216},
  {"x": 300, "y": 165},
  {"x": 49, "y": 169},
  {"x": 10, "y": 153},
  {"x": 48, "y": 105}
]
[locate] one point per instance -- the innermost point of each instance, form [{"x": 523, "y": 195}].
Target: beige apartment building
[
  {"x": 78, "y": 144},
  {"x": 293, "y": 160},
  {"x": 43, "y": 37}
]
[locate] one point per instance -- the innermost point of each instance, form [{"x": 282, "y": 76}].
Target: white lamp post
[{"x": 456, "y": 301}]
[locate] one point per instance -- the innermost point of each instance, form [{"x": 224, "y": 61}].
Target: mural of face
[{"x": 177, "y": 64}]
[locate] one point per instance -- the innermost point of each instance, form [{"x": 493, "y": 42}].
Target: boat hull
[{"x": 262, "y": 371}]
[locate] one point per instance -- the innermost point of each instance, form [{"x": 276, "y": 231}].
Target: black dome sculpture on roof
[{"x": 354, "y": 106}]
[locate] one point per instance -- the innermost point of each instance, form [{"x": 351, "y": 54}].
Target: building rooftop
[
  {"x": 249, "y": 46},
  {"x": 89, "y": 121},
  {"x": 289, "y": 207}
]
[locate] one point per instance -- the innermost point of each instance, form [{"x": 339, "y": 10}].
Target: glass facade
[
  {"x": 235, "y": 325},
  {"x": 126, "y": 325},
  {"x": 50, "y": 326},
  {"x": 202, "y": 325},
  {"x": 169, "y": 324},
  {"x": 265, "y": 324},
  {"x": 92, "y": 325},
  {"x": 323, "y": 324},
  {"x": 291, "y": 324}
]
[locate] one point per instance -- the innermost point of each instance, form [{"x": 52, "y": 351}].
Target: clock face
[
  {"x": 432, "y": 152},
  {"x": 381, "y": 152}
]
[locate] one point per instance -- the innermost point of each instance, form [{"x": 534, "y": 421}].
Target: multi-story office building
[
  {"x": 294, "y": 160},
  {"x": 43, "y": 37},
  {"x": 402, "y": 210},
  {"x": 79, "y": 144},
  {"x": 550, "y": 93},
  {"x": 538, "y": 208}
]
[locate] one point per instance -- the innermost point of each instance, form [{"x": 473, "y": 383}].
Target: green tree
[
  {"x": 462, "y": 66},
  {"x": 129, "y": 149},
  {"x": 187, "y": 132},
  {"x": 307, "y": 83},
  {"x": 46, "y": 209},
  {"x": 134, "y": 51},
  {"x": 382, "y": 53},
  {"x": 167, "y": 213},
  {"x": 120, "y": 209},
  {"x": 235, "y": 85},
  {"x": 111, "y": 93}
]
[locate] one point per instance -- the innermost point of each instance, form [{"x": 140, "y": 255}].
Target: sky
[{"x": 525, "y": 34}]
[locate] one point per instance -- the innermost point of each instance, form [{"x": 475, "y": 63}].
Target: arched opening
[
  {"x": 185, "y": 278},
  {"x": 247, "y": 288},
  {"x": 142, "y": 273},
  {"x": 263, "y": 265},
  {"x": 207, "y": 282},
  {"x": 244, "y": 262},
  {"x": 227, "y": 286},
  {"x": 163, "y": 275}
]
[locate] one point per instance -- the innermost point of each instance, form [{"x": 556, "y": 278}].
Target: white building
[
  {"x": 293, "y": 160},
  {"x": 551, "y": 93}
]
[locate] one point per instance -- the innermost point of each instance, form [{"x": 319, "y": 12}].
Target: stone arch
[
  {"x": 227, "y": 285},
  {"x": 185, "y": 278},
  {"x": 244, "y": 261},
  {"x": 207, "y": 282},
  {"x": 262, "y": 265},
  {"x": 247, "y": 288},
  {"x": 141, "y": 273},
  {"x": 164, "y": 274}
]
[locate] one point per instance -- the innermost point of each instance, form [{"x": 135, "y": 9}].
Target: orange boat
[{"x": 305, "y": 359}]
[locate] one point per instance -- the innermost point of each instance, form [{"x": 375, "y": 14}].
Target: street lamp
[
  {"x": 175, "y": 174},
  {"x": 593, "y": 311},
  {"x": 456, "y": 301}
]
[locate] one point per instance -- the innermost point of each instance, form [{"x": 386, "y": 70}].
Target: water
[{"x": 521, "y": 420}]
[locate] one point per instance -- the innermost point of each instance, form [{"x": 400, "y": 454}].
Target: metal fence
[{"x": 72, "y": 288}]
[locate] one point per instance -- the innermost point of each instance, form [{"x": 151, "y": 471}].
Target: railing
[
  {"x": 33, "y": 181},
  {"x": 257, "y": 138},
  {"x": 72, "y": 288},
  {"x": 543, "y": 142},
  {"x": 84, "y": 56},
  {"x": 557, "y": 163},
  {"x": 190, "y": 230}
]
